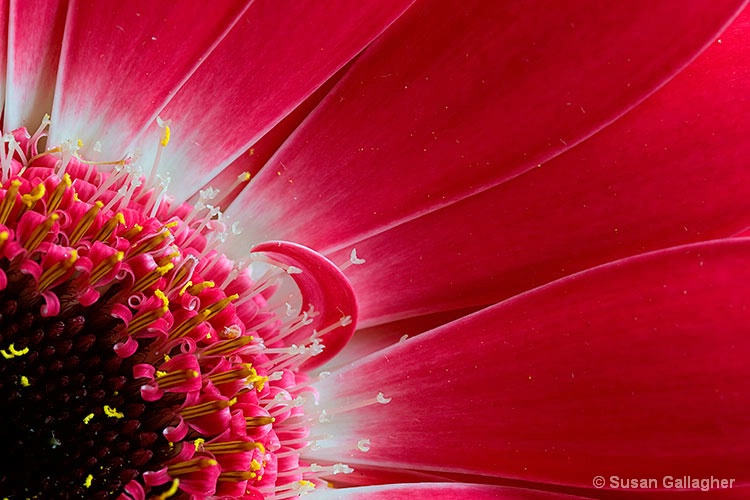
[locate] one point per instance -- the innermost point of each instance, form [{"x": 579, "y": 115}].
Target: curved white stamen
[
  {"x": 257, "y": 290},
  {"x": 353, "y": 261},
  {"x": 346, "y": 320},
  {"x": 6, "y": 155},
  {"x": 300, "y": 321},
  {"x": 164, "y": 125},
  {"x": 161, "y": 189},
  {"x": 213, "y": 212},
  {"x": 242, "y": 178},
  {"x": 363, "y": 445},
  {"x": 68, "y": 149},
  {"x": 382, "y": 399},
  {"x": 40, "y": 132},
  {"x": 208, "y": 194},
  {"x": 379, "y": 399}
]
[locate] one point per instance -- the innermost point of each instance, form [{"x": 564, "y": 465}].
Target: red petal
[
  {"x": 253, "y": 160},
  {"x": 436, "y": 491},
  {"x": 323, "y": 286},
  {"x": 634, "y": 369},
  {"x": 121, "y": 61},
  {"x": 460, "y": 95},
  {"x": 34, "y": 37},
  {"x": 672, "y": 171},
  {"x": 284, "y": 50},
  {"x": 366, "y": 341}
]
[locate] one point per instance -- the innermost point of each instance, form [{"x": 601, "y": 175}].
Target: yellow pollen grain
[
  {"x": 198, "y": 288},
  {"x": 88, "y": 418},
  {"x": 198, "y": 443},
  {"x": 112, "y": 412},
  {"x": 171, "y": 491},
  {"x": 12, "y": 352},
  {"x": 167, "y": 357},
  {"x": 185, "y": 287},
  {"x": 88, "y": 481},
  {"x": 165, "y": 268},
  {"x": 35, "y": 195},
  {"x": 160, "y": 373},
  {"x": 164, "y": 300},
  {"x": 25, "y": 381},
  {"x": 165, "y": 138},
  {"x": 255, "y": 465}
]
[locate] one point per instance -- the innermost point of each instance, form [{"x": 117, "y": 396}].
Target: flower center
[{"x": 137, "y": 360}]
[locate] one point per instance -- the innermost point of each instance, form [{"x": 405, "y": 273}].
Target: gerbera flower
[{"x": 179, "y": 273}]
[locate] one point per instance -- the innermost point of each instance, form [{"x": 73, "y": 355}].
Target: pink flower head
[{"x": 534, "y": 215}]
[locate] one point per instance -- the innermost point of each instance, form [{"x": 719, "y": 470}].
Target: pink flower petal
[
  {"x": 366, "y": 341},
  {"x": 635, "y": 369},
  {"x": 35, "y": 34},
  {"x": 323, "y": 286},
  {"x": 259, "y": 153},
  {"x": 459, "y": 96},
  {"x": 436, "y": 491},
  {"x": 121, "y": 62},
  {"x": 672, "y": 171},
  {"x": 279, "y": 53}
]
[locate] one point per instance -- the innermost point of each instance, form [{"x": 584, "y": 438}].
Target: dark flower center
[
  {"x": 72, "y": 425},
  {"x": 136, "y": 360}
]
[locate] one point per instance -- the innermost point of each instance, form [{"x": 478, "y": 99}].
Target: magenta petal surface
[
  {"x": 635, "y": 369},
  {"x": 461, "y": 95},
  {"x": 122, "y": 61},
  {"x": 323, "y": 286},
  {"x": 672, "y": 171},
  {"x": 280, "y": 53},
  {"x": 35, "y": 31},
  {"x": 435, "y": 491}
]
